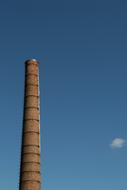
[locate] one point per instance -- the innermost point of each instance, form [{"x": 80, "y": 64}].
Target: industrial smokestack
[{"x": 30, "y": 178}]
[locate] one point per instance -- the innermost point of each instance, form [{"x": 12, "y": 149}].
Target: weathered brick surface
[
  {"x": 30, "y": 158},
  {"x": 31, "y": 167},
  {"x": 31, "y": 90},
  {"x": 31, "y": 125},
  {"x": 32, "y": 102},
  {"x": 30, "y": 178},
  {"x": 28, "y": 185},
  {"x": 31, "y": 114}
]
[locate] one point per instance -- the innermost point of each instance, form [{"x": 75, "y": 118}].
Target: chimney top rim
[{"x": 31, "y": 61}]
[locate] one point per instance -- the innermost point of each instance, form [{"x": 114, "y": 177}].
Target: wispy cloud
[{"x": 118, "y": 143}]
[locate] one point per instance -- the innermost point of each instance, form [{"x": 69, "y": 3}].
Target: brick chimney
[{"x": 30, "y": 178}]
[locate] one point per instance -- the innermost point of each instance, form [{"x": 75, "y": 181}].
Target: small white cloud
[{"x": 118, "y": 143}]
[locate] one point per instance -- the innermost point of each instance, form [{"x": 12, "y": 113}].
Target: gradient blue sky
[{"x": 82, "y": 47}]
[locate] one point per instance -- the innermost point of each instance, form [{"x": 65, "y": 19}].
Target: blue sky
[{"x": 82, "y": 48}]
